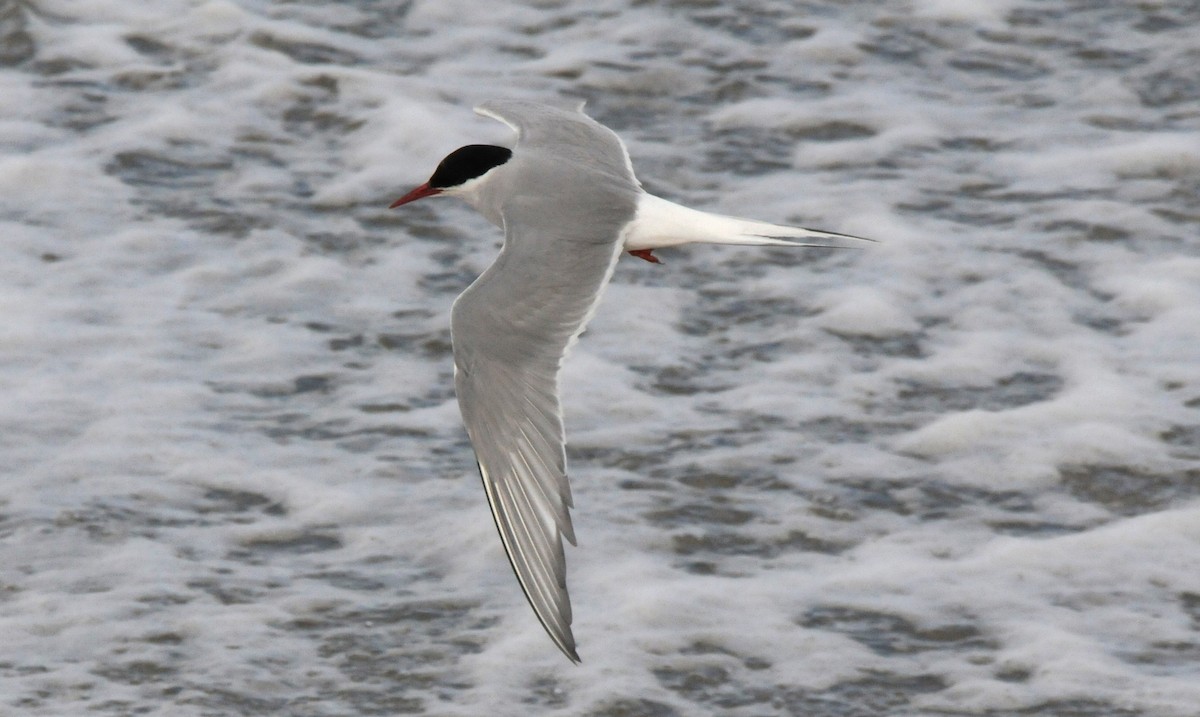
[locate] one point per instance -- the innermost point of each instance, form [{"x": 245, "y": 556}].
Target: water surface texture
[{"x": 954, "y": 474}]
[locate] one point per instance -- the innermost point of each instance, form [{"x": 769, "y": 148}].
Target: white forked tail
[{"x": 660, "y": 223}]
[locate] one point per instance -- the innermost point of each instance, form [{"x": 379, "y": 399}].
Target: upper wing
[
  {"x": 511, "y": 329},
  {"x": 571, "y": 135}
]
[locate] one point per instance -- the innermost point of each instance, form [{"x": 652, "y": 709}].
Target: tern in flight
[{"x": 569, "y": 204}]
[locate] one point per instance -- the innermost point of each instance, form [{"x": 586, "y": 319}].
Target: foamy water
[{"x": 955, "y": 474}]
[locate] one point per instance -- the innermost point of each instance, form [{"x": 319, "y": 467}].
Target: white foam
[
  {"x": 232, "y": 454},
  {"x": 863, "y": 311}
]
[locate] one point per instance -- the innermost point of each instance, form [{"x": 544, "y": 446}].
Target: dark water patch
[
  {"x": 220, "y": 501},
  {"x": 164, "y": 638},
  {"x": 137, "y": 672},
  {"x": 1101, "y": 322},
  {"x": 711, "y": 686},
  {"x": 886, "y": 634},
  {"x": 165, "y": 599},
  {"x": 348, "y": 580},
  {"x": 927, "y": 500},
  {"x": 434, "y": 345},
  {"x": 207, "y": 215},
  {"x": 13, "y": 669},
  {"x": 308, "y": 53},
  {"x": 343, "y": 244},
  {"x": 831, "y": 131},
  {"x": 1109, "y": 58},
  {"x": 685, "y": 380},
  {"x": 705, "y": 481},
  {"x": 753, "y": 151},
  {"x": 836, "y": 429},
  {"x": 716, "y": 312},
  {"x": 1176, "y": 215},
  {"x": 1165, "y": 17},
  {"x": 716, "y": 512},
  {"x": 879, "y": 693},
  {"x": 344, "y": 343},
  {"x": 398, "y": 656},
  {"x": 16, "y": 44},
  {"x": 1122, "y": 123},
  {"x": 757, "y": 23},
  {"x": 1090, "y": 231},
  {"x": 1190, "y": 604},
  {"x": 906, "y": 345},
  {"x": 901, "y": 45},
  {"x": 1164, "y": 658},
  {"x": 634, "y": 708},
  {"x": 156, "y": 169},
  {"x": 110, "y": 522},
  {"x": 1016, "y": 675},
  {"x": 151, "y": 80},
  {"x": 287, "y": 427},
  {"x": 1019, "y": 389},
  {"x": 1064, "y": 708},
  {"x": 1013, "y": 67},
  {"x": 225, "y": 593},
  {"x": 1068, "y": 273},
  {"x": 221, "y": 700},
  {"x": 150, "y": 47},
  {"x": 973, "y": 144},
  {"x": 711, "y": 481},
  {"x": 287, "y": 412},
  {"x": 714, "y": 544},
  {"x": 748, "y": 152},
  {"x": 442, "y": 615},
  {"x": 1169, "y": 87},
  {"x": 1033, "y": 528},
  {"x": 83, "y": 105},
  {"x": 545, "y": 692},
  {"x": 1184, "y": 440},
  {"x": 1040, "y": 15},
  {"x": 703, "y": 647},
  {"x": 989, "y": 191},
  {"x": 300, "y": 543},
  {"x": 308, "y": 383},
  {"x": 1128, "y": 491},
  {"x": 637, "y": 460},
  {"x": 376, "y": 20},
  {"x": 308, "y": 116},
  {"x": 371, "y": 408},
  {"x": 959, "y": 210},
  {"x": 9, "y": 524}
]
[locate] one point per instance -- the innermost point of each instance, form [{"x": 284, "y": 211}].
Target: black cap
[{"x": 467, "y": 163}]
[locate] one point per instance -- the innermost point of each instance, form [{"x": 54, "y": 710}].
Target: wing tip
[
  {"x": 572, "y": 655},
  {"x": 565, "y": 642},
  {"x": 557, "y": 626}
]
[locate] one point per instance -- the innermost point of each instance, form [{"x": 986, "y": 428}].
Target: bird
[{"x": 567, "y": 200}]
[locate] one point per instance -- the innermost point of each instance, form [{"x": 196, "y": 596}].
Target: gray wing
[
  {"x": 570, "y": 135},
  {"x": 511, "y": 329}
]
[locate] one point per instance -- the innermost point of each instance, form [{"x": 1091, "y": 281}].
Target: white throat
[{"x": 473, "y": 192}]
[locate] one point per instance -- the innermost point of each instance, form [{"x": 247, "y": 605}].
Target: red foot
[{"x": 645, "y": 254}]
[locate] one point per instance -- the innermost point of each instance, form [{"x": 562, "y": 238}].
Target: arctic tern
[{"x": 569, "y": 204}]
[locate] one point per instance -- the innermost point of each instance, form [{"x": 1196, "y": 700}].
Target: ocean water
[{"x": 954, "y": 474}]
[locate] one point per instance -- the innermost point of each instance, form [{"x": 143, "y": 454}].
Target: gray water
[{"x": 954, "y": 474}]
